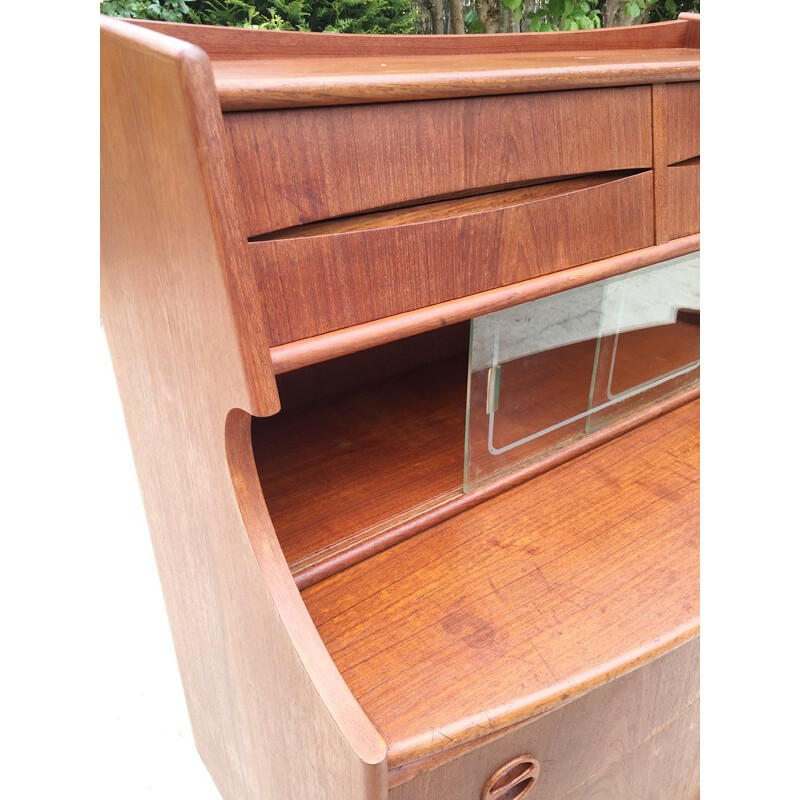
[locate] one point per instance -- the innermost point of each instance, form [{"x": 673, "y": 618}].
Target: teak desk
[{"x": 296, "y": 232}]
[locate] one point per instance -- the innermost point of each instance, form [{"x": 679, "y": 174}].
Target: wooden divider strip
[{"x": 660, "y": 192}]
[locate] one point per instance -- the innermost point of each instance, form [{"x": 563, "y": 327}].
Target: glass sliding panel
[
  {"x": 546, "y": 373},
  {"x": 650, "y": 342}
]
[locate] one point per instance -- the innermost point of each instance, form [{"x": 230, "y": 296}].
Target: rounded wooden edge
[
  {"x": 236, "y": 95},
  {"x": 469, "y": 732},
  {"x": 148, "y": 39},
  {"x": 496, "y": 787},
  {"x": 344, "y": 709}
]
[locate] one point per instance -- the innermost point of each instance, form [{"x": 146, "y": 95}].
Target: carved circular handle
[{"x": 512, "y": 781}]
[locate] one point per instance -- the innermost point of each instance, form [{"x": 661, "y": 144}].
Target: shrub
[{"x": 343, "y": 16}]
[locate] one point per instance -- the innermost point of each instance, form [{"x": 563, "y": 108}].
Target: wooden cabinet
[{"x": 297, "y": 232}]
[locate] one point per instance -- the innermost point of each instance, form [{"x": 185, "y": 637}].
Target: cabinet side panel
[{"x": 270, "y": 714}]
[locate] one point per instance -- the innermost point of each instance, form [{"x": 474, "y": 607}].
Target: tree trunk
[
  {"x": 530, "y": 5},
  {"x": 490, "y": 14},
  {"x": 457, "y": 16},
  {"x": 437, "y": 15},
  {"x": 424, "y": 12},
  {"x": 614, "y": 16}
]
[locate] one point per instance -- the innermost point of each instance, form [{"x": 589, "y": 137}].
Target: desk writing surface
[{"x": 527, "y": 599}]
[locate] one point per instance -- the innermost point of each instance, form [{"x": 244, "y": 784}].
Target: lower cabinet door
[{"x": 634, "y": 738}]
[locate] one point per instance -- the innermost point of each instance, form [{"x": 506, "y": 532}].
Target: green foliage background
[
  {"x": 382, "y": 16},
  {"x": 580, "y": 15},
  {"x": 574, "y": 15},
  {"x": 343, "y": 16}
]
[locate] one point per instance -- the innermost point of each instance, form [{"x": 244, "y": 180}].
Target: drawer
[
  {"x": 683, "y": 193},
  {"x": 665, "y": 767},
  {"x": 332, "y": 275},
  {"x": 297, "y": 166},
  {"x": 683, "y": 121},
  {"x": 602, "y": 737}
]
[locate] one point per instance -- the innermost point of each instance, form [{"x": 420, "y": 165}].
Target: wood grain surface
[
  {"x": 260, "y": 686},
  {"x": 327, "y": 378},
  {"x": 247, "y": 85},
  {"x": 210, "y": 154},
  {"x": 576, "y": 743},
  {"x": 538, "y": 594},
  {"x": 314, "y": 284},
  {"x": 676, "y": 140},
  {"x": 692, "y": 30},
  {"x": 237, "y": 43},
  {"x": 316, "y": 349},
  {"x": 465, "y": 205},
  {"x": 683, "y": 183},
  {"x": 349, "y": 462},
  {"x": 665, "y": 767},
  {"x": 660, "y": 161},
  {"x": 354, "y": 159},
  {"x": 195, "y": 99},
  {"x": 682, "y": 121}
]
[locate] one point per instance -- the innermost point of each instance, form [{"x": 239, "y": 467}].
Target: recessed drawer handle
[{"x": 513, "y": 780}]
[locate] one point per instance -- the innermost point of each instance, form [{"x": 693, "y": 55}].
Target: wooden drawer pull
[{"x": 513, "y": 780}]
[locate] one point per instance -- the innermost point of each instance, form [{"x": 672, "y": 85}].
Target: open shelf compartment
[
  {"x": 356, "y": 451},
  {"x": 370, "y": 449}
]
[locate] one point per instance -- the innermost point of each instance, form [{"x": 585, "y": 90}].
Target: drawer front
[
  {"x": 298, "y": 166},
  {"x": 683, "y": 121},
  {"x": 334, "y": 278},
  {"x": 683, "y": 192},
  {"x": 665, "y": 767},
  {"x": 612, "y": 736}
]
